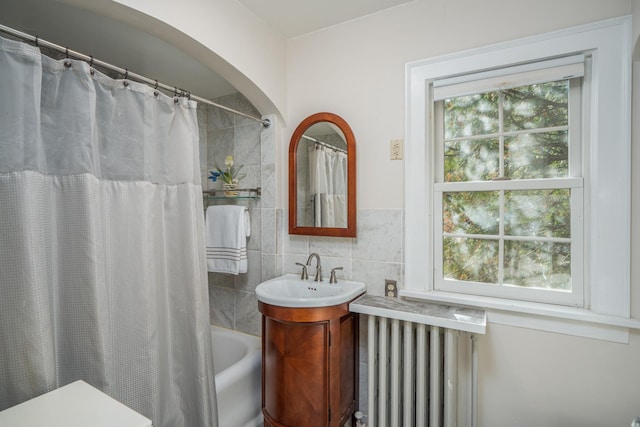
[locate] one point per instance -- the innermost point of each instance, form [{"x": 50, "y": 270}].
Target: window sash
[
  {"x": 505, "y": 78},
  {"x": 510, "y": 184},
  {"x": 575, "y": 183},
  {"x": 574, "y": 124},
  {"x": 575, "y": 297}
]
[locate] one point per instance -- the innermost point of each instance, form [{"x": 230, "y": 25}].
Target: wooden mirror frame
[{"x": 350, "y": 230}]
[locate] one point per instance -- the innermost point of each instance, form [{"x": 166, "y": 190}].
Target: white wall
[
  {"x": 527, "y": 377},
  {"x": 357, "y": 69},
  {"x": 222, "y": 34},
  {"x": 635, "y": 169},
  {"x": 635, "y": 7}
]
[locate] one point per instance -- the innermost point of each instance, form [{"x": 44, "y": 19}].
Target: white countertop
[{"x": 75, "y": 405}]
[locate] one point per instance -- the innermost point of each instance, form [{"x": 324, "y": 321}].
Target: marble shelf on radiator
[{"x": 446, "y": 316}]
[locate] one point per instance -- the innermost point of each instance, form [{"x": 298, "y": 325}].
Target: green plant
[{"x": 229, "y": 174}]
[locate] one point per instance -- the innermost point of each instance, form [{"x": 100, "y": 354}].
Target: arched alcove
[{"x": 207, "y": 48}]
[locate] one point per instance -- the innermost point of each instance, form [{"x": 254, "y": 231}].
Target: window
[
  {"x": 508, "y": 202},
  {"x": 517, "y": 180}
]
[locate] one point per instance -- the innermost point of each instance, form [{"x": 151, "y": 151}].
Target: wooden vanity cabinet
[{"x": 309, "y": 365}]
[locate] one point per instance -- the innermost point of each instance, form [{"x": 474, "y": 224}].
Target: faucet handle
[
  {"x": 332, "y": 278},
  {"x": 304, "y": 275}
]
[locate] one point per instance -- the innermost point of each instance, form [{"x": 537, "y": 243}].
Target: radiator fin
[{"x": 419, "y": 375}]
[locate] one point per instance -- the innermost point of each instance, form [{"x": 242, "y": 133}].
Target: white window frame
[{"x": 607, "y": 171}]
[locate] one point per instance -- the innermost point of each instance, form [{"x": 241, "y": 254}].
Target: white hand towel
[{"x": 227, "y": 228}]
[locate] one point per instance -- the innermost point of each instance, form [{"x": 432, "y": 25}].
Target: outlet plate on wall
[
  {"x": 396, "y": 149},
  {"x": 390, "y": 288}
]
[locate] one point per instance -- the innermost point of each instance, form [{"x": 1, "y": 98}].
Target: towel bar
[{"x": 244, "y": 193}]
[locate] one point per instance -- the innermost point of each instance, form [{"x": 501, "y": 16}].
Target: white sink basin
[{"x": 291, "y": 291}]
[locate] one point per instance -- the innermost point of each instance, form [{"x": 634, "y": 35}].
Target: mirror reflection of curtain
[{"x": 328, "y": 186}]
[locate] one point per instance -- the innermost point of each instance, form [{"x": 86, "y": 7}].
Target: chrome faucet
[
  {"x": 318, "y": 267},
  {"x": 303, "y": 275},
  {"x": 332, "y": 279}
]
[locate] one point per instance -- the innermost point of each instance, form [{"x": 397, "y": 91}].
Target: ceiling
[
  {"x": 296, "y": 17},
  {"x": 80, "y": 29}
]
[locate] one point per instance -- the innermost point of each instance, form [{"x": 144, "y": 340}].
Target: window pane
[
  {"x": 537, "y": 155},
  {"x": 541, "y": 213},
  {"x": 537, "y": 264},
  {"x": 475, "y": 160},
  {"x": 471, "y": 115},
  {"x": 471, "y": 212},
  {"x": 536, "y": 106},
  {"x": 474, "y": 260}
]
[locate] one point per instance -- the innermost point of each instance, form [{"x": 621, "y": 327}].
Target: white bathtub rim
[{"x": 251, "y": 358}]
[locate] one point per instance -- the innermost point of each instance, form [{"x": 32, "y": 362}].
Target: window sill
[{"x": 544, "y": 317}]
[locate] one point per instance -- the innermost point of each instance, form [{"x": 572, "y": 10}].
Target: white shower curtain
[
  {"x": 102, "y": 268},
  {"x": 328, "y": 186}
]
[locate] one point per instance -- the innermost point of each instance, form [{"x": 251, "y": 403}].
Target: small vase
[{"x": 230, "y": 190}]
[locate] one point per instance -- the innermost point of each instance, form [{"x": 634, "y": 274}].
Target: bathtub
[{"x": 237, "y": 359}]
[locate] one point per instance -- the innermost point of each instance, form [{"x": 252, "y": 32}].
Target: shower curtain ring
[
  {"x": 91, "y": 62},
  {"x": 67, "y": 63},
  {"x": 36, "y": 41}
]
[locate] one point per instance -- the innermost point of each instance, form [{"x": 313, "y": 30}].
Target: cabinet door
[
  {"x": 348, "y": 390},
  {"x": 295, "y": 374}
]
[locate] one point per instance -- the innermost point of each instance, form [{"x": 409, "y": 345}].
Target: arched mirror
[{"x": 322, "y": 177}]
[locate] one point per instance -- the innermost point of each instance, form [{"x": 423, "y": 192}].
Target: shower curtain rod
[
  {"x": 127, "y": 74},
  {"x": 329, "y": 146}
]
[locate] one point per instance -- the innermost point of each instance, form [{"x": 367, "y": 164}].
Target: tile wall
[
  {"x": 232, "y": 298},
  {"x": 375, "y": 255}
]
